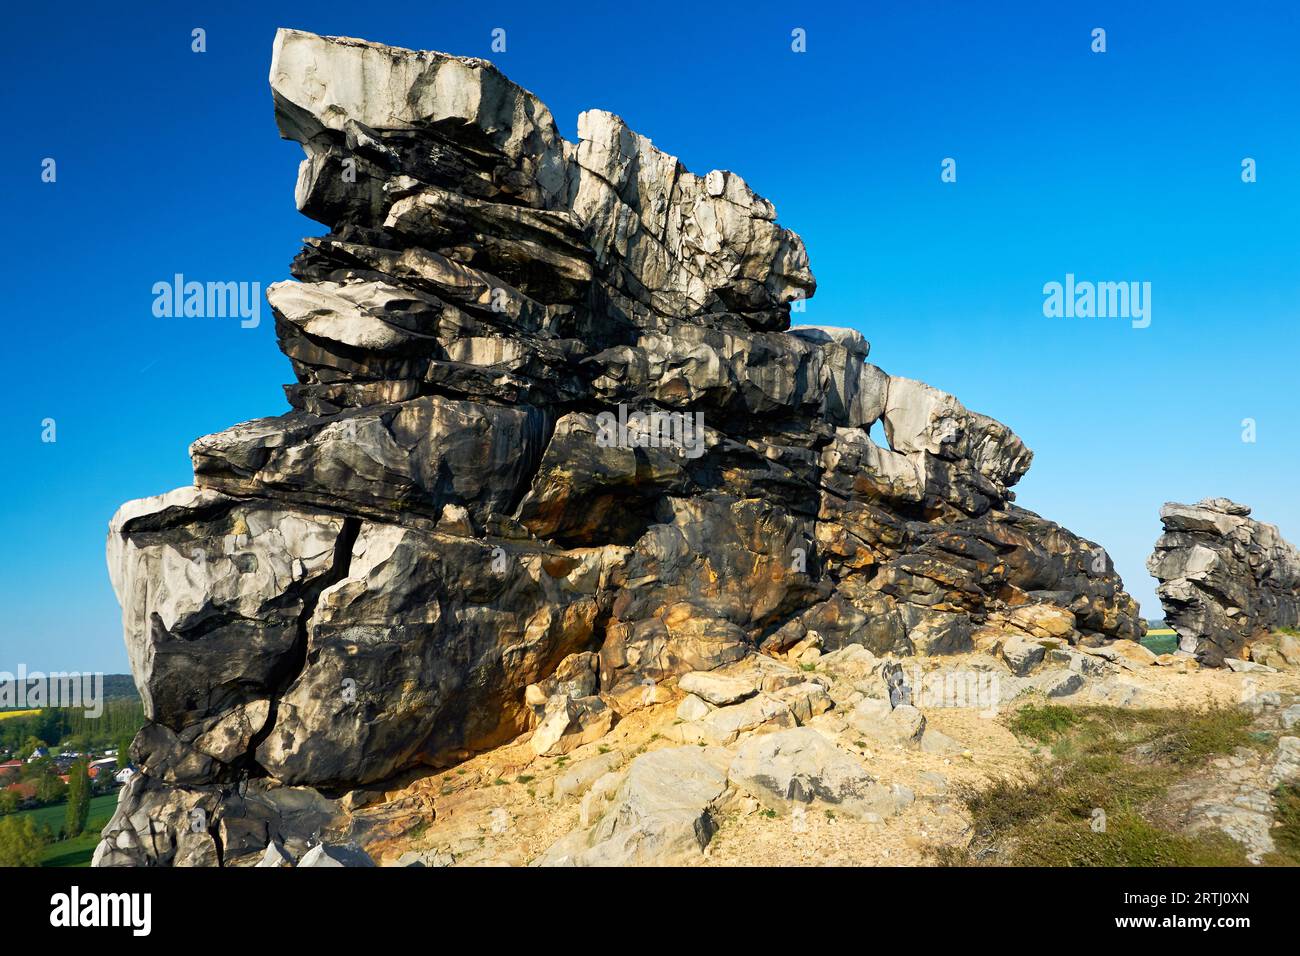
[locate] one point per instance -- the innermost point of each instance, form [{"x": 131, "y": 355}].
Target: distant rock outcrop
[
  {"x": 552, "y": 441},
  {"x": 1225, "y": 578}
]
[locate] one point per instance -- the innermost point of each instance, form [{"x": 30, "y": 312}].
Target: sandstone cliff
[
  {"x": 1225, "y": 578},
  {"x": 552, "y": 441}
]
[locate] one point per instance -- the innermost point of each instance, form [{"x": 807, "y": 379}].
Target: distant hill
[
  {"x": 116, "y": 687},
  {"x": 122, "y": 687}
]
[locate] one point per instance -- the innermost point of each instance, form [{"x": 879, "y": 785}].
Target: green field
[
  {"x": 1161, "y": 641},
  {"x": 75, "y": 852},
  {"x": 79, "y": 851}
]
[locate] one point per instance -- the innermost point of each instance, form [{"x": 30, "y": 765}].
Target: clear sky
[{"x": 1122, "y": 166}]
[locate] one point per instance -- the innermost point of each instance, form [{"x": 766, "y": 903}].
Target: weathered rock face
[
  {"x": 549, "y": 416},
  {"x": 1225, "y": 578}
]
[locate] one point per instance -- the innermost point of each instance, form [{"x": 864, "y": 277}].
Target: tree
[
  {"x": 124, "y": 750},
  {"x": 20, "y": 841},
  {"x": 8, "y": 801},
  {"x": 49, "y": 788},
  {"x": 78, "y": 812}
]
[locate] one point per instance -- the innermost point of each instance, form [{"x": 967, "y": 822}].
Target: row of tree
[
  {"x": 71, "y": 728},
  {"x": 46, "y": 785}
]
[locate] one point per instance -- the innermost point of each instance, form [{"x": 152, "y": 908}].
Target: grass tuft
[
  {"x": 1286, "y": 834},
  {"x": 1043, "y": 724},
  {"x": 1094, "y": 802}
]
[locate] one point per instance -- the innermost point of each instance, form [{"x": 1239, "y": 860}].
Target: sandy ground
[{"x": 497, "y": 808}]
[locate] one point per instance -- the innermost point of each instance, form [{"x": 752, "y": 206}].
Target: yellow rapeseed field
[{"x": 17, "y": 713}]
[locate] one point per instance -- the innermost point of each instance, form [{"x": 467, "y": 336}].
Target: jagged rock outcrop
[
  {"x": 1225, "y": 578},
  {"x": 552, "y": 441}
]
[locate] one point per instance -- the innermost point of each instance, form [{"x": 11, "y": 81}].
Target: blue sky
[{"x": 1117, "y": 166}]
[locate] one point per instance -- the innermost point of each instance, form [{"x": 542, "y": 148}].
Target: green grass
[
  {"x": 1286, "y": 837},
  {"x": 1129, "y": 840},
  {"x": 1043, "y": 724},
  {"x": 1161, "y": 641},
  {"x": 53, "y": 816},
  {"x": 1119, "y": 761},
  {"x": 418, "y": 830},
  {"x": 78, "y": 851}
]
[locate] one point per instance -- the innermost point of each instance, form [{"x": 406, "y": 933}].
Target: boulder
[
  {"x": 274, "y": 857},
  {"x": 1127, "y": 654},
  {"x": 1042, "y": 620},
  {"x": 324, "y": 854},
  {"x": 715, "y": 689},
  {"x": 661, "y": 815},
  {"x": 1058, "y": 683},
  {"x": 1120, "y": 692},
  {"x": 578, "y": 778},
  {"x": 692, "y": 708},
  {"x": 1286, "y": 764},
  {"x": 1247, "y": 667},
  {"x": 1289, "y": 647},
  {"x": 1083, "y": 660},
  {"x": 801, "y": 766},
  {"x": 805, "y": 700},
  {"x": 1226, "y": 579},
  {"x": 723, "y": 725},
  {"x": 568, "y": 723},
  {"x": 1022, "y": 654},
  {"x": 896, "y": 726},
  {"x": 1290, "y": 717}
]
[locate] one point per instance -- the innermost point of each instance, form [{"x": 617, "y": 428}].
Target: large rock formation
[
  {"x": 547, "y": 403},
  {"x": 1225, "y": 578}
]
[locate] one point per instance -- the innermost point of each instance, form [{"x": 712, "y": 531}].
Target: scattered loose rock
[{"x": 716, "y": 689}]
